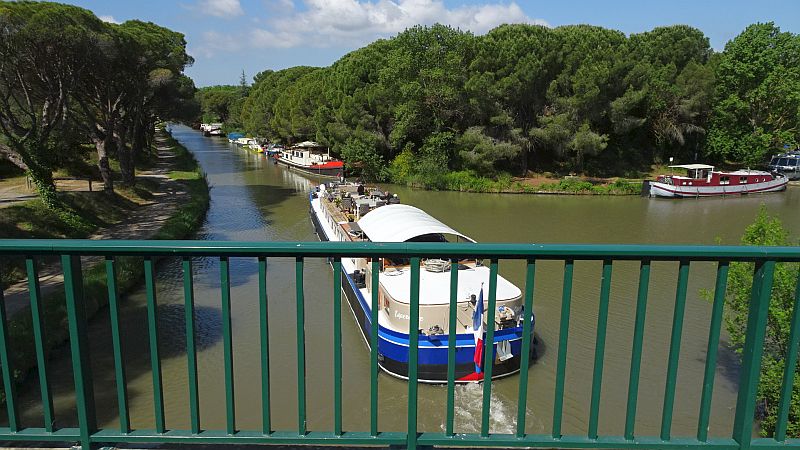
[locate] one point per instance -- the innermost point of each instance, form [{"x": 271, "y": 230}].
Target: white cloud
[
  {"x": 109, "y": 19},
  {"x": 221, "y": 8},
  {"x": 326, "y": 23}
]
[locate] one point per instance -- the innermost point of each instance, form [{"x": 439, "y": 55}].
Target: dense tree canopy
[
  {"x": 758, "y": 95},
  {"x": 67, "y": 77},
  {"x": 521, "y": 97}
]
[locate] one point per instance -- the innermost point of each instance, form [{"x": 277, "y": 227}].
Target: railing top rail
[{"x": 442, "y": 250}]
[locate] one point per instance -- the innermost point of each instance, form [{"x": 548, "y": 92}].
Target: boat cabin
[
  {"x": 705, "y": 175},
  {"x": 308, "y": 154}
]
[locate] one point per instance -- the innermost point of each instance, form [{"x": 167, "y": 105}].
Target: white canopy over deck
[
  {"x": 399, "y": 223},
  {"x": 693, "y": 167}
]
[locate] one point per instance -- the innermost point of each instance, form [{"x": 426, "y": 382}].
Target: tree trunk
[
  {"x": 138, "y": 140},
  {"x": 102, "y": 163},
  {"x": 126, "y": 162},
  {"x": 42, "y": 177}
]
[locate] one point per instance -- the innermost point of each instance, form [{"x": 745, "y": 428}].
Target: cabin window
[
  {"x": 792, "y": 163},
  {"x": 742, "y": 180},
  {"x": 725, "y": 180}
]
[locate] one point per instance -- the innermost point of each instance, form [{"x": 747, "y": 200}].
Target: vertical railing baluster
[
  {"x": 525, "y": 352},
  {"x": 116, "y": 339},
  {"x": 636, "y": 349},
  {"x": 8, "y": 373},
  {"x": 711, "y": 353},
  {"x": 750, "y": 371},
  {"x": 79, "y": 348},
  {"x": 266, "y": 416},
  {"x": 674, "y": 350},
  {"x": 488, "y": 351},
  {"x": 373, "y": 349},
  {"x": 337, "y": 346},
  {"x": 301, "y": 348},
  {"x": 191, "y": 348},
  {"x": 413, "y": 355},
  {"x": 599, "y": 349},
  {"x": 563, "y": 338},
  {"x": 152, "y": 328},
  {"x": 452, "y": 335},
  {"x": 227, "y": 347},
  {"x": 789, "y": 368},
  {"x": 39, "y": 340}
]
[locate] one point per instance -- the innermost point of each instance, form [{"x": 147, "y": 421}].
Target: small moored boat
[
  {"x": 312, "y": 158},
  {"x": 703, "y": 181},
  {"x": 787, "y": 163}
]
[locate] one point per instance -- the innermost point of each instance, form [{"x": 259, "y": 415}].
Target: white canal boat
[{"x": 347, "y": 213}]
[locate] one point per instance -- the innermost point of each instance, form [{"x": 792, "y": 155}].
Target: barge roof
[{"x": 399, "y": 223}]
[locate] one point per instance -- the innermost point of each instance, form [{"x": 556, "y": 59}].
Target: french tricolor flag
[{"x": 477, "y": 326}]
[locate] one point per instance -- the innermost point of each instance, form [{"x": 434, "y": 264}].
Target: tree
[
  {"x": 766, "y": 231},
  {"x": 43, "y": 57},
  {"x": 757, "y": 95}
]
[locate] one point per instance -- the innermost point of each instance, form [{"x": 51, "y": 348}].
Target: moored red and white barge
[
  {"x": 703, "y": 181},
  {"x": 310, "y": 157}
]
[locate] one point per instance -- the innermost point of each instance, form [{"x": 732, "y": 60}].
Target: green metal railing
[{"x": 88, "y": 434}]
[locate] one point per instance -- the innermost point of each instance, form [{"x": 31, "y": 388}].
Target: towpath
[{"x": 142, "y": 223}]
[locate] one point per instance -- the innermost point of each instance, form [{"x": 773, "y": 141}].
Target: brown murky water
[{"x": 254, "y": 200}]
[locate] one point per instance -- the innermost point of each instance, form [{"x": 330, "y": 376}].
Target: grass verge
[
  {"x": 88, "y": 217},
  {"x": 469, "y": 181}
]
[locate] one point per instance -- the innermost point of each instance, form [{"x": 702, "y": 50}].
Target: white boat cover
[
  {"x": 694, "y": 166},
  {"x": 307, "y": 144},
  {"x": 399, "y": 223}
]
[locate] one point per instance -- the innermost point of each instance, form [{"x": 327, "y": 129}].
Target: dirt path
[{"x": 143, "y": 223}]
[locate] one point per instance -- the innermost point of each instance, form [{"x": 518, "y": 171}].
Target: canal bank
[
  {"x": 256, "y": 200},
  {"x": 175, "y": 198}
]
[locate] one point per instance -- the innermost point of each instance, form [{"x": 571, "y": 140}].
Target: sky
[{"x": 226, "y": 37}]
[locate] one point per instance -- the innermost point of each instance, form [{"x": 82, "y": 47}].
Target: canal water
[{"x": 254, "y": 200}]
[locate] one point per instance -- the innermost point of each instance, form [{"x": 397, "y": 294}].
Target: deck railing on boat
[{"x": 87, "y": 432}]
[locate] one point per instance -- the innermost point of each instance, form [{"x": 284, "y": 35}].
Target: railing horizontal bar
[
  {"x": 40, "y": 434},
  {"x": 324, "y": 249},
  {"x": 251, "y": 437},
  {"x": 547, "y": 441},
  {"x": 772, "y": 444}
]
